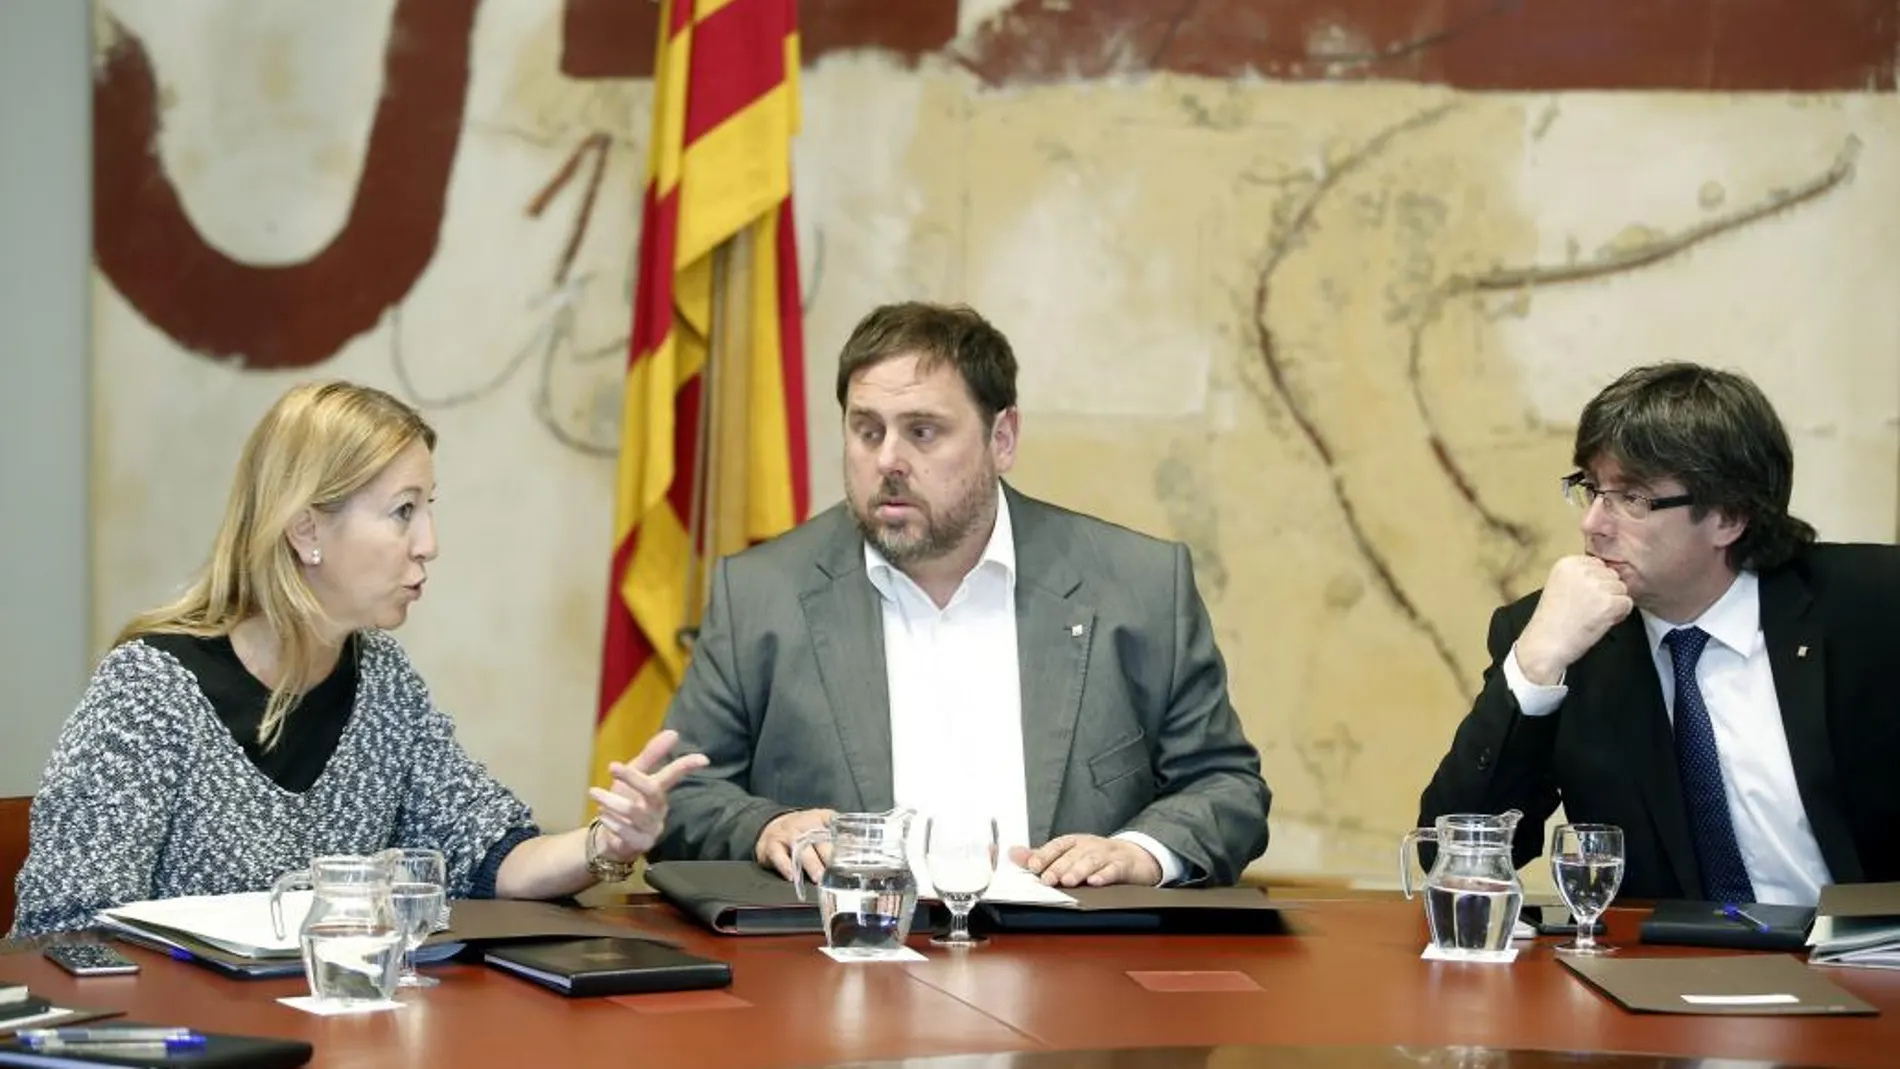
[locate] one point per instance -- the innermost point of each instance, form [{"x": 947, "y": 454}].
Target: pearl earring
[{"x": 316, "y": 556}]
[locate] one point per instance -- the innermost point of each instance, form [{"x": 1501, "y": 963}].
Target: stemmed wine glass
[
  {"x": 960, "y": 850},
  {"x": 1586, "y": 860},
  {"x": 417, "y": 882}
]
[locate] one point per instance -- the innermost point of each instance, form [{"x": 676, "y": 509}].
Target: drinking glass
[
  {"x": 1586, "y": 861},
  {"x": 417, "y": 882},
  {"x": 960, "y": 851}
]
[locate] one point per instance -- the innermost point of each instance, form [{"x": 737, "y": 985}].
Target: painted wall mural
[
  {"x": 1316, "y": 288},
  {"x": 290, "y": 315}
]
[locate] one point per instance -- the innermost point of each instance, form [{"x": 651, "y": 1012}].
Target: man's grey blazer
[{"x": 1126, "y": 720}]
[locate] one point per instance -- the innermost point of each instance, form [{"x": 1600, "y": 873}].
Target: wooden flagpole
[{"x": 718, "y": 512}]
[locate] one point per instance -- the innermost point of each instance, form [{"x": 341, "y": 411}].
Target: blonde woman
[{"x": 267, "y": 716}]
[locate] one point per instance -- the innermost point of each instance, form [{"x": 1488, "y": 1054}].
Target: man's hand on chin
[{"x": 1075, "y": 860}]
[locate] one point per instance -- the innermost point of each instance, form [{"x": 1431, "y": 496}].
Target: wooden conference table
[{"x": 1348, "y": 991}]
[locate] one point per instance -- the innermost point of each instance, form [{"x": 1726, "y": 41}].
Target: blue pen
[
  {"x": 117, "y": 1048},
  {"x": 127, "y": 1034},
  {"x": 1736, "y": 913}
]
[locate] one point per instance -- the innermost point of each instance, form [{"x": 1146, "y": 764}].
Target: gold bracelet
[{"x": 604, "y": 868}]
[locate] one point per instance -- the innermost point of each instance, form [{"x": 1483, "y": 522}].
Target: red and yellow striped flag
[{"x": 719, "y": 174}]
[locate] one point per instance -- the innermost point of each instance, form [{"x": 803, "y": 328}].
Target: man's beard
[{"x": 939, "y": 536}]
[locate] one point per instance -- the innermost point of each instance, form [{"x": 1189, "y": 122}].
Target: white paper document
[
  {"x": 1011, "y": 885},
  {"x": 237, "y": 923}
]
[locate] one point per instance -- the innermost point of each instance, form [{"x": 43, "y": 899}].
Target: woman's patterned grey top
[{"x": 148, "y": 795}]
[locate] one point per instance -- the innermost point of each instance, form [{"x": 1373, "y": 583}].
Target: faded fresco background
[{"x": 1316, "y": 288}]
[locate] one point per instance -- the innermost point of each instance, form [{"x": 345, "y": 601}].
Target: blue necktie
[{"x": 1724, "y": 877}]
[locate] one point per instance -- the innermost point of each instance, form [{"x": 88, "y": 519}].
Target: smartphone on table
[
  {"x": 90, "y": 959},
  {"x": 1557, "y": 920}
]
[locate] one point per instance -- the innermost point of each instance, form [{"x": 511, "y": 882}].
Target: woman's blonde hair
[{"x": 319, "y": 444}]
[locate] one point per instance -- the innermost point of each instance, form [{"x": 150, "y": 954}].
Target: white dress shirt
[
  {"x": 1738, "y": 688},
  {"x": 956, "y": 697}
]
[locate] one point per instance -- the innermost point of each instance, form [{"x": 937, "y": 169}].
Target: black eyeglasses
[{"x": 1581, "y": 492}]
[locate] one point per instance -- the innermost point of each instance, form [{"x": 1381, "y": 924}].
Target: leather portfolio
[
  {"x": 585, "y": 967},
  {"x": 734, "y": 897},
  {"x": 219, "y": 1052},
  {"x": 1750, "y": 985},
  {"x": 1158, "y": 910},
  {"x": 741, "y": 898},
  {"x": 1705, "y": 924}
]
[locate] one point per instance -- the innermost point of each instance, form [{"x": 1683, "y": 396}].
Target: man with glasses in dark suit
[{"x": 1740, "y": 725}]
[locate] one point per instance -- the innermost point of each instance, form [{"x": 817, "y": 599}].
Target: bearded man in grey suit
[{"x": 941, "y": 641}]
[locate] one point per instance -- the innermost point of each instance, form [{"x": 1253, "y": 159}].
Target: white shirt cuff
[
  {"x": 1533, "y": 699},
  {"x": 1172, "y": 867}
]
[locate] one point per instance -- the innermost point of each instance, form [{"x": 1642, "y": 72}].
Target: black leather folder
[
  {"x": 741, "y": 898},
  {"x": 736, "y": 897},
  {"x": 219, "y": 1052},
  {"x": 1704, "y": 924},
  {"x": 1157, "y": 910},
  {"x": 584, "y": 967}
]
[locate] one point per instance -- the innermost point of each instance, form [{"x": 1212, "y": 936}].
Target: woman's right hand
[{"x": 633, "y": 812}]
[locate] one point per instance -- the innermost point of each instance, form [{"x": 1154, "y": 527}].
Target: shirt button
[{"x": 1484, "y": 758}]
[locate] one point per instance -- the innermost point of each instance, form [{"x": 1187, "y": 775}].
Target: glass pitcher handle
[
  {"x": 1408, "y": 849},
  {"x": 289, "y": 881},
  {"x": 810, "y": 838}
]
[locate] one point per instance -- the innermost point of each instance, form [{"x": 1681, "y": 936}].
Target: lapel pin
[
  {"x": 1078, "y": 630},
  {"x": 1800, "y": 652}
]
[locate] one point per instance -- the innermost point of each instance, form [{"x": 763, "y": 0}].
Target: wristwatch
[{"x": 605, "y": 869}]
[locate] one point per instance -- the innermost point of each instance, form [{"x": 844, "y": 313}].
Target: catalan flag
[{"x": 706, "y": 467}]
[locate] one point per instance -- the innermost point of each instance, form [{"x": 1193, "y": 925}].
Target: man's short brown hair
[{"x": 935, "y": 334}]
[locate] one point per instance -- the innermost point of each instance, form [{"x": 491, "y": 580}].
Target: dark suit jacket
[
  {"x": 1831, "y": 620},
  {"x": 1126, "y": 720}
]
